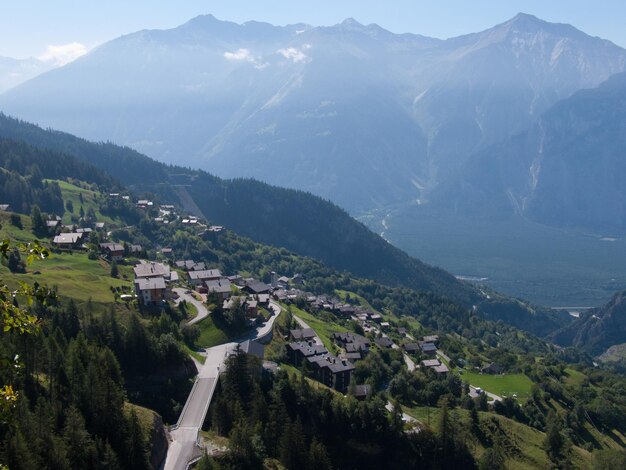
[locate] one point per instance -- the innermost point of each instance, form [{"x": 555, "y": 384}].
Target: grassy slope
[
  {"x": 71, "y": 192},
  {"x": 323, "y": 329},
  {"x": 523, "y": 445},
  {"x": 75, "y": 275},
  {"x": 502, "y": 385}
]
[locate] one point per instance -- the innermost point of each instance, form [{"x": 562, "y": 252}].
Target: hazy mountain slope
[
  {"x": 597, "y": 330},
  {"x": 16, "y": 71},
  {"x": 286, "y": 218},
  {"x": 350, "y": 112},
  {"x": 567, "y": 170}
]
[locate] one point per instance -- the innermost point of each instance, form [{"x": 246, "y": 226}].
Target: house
[
  {"x": 333, "y": 372},
  {"x": 283, "y": 281},
  {"x": 251, "y": 306},
  {"x": 352, "y": 342},
  {"x": 52, "y": 223},
  {"x": 151, "y": 269},
  {"x": 431, "y": 339},
  {"x": 221, "y": 287},
  {"x": 441, "y": 369},
  {"x": 351, "y": 356},
  {"x": 4, "y": 207},
  {"x": 198, "y": 278},
  {"x": 84, "y": 230},
  {"x": 114, "y": 251},
  {"x": 302, "y": 334},
  {"x": 383, "y": 342},
  {"x": 428, "y": 348},
  {"x": 411, "y": 347},
  {"x": 297, "y": 352},
  {"x": 135, "y": 249},
  {"x": 264, "y": 300},
  {"x": 361, "y": 392},
  {"x": 99, "y": 225},
  {"x": 296, "y": 280},
  {"x": 151, "y": 290},
  {"x": 402, "y": 331},
  {"x": 166, "y": 251},
  {"x": 256, "y": 287},
  {"x": 187, "y": 264},
  {"x": 67, "y": 240},
  {"x": 492, "y": 369},
  {"x": 430, "y": 363},
  {"x": 376, "y": 317}
]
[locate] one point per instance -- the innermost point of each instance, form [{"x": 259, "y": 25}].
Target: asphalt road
[
  {"x": 202, "y": 310},
  {"x": 183, "y": 448}
]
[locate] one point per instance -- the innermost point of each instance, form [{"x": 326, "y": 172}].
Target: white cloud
[
  {"x": 239, "y": 54},
  {"x": 63, "y": 54},
  {"x": 245, "y": 55},
  {"x": 294, "y": 54}
]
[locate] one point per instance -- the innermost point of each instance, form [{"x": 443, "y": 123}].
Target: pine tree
[
  {"x": 114, "y": 269},
  {"x": 136, "y": 456}
]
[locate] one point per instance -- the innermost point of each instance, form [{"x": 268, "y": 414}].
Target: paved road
[
  {"x": 202, "y": 310},
  {"x": 410, "y": 364},
  {"x": 183, "y": 448}
]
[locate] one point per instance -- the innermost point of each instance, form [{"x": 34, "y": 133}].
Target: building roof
[
  {"x": 150, "y": 283},
  {"x": 411, "y": 347},
  {"x": 257, "y": 287},
  {"x": 303, "y": 333},
  {"x": 67, "y": 238},
  {"x": 52, "y": 223},
  {"x": 219, "y": 286},
  {"x": 205, "y": 274},
  {"x": 361, "y": 390},
  {"x": 431, "y": 338},
  {"x": 430, "y": 363},
  {"x": 428, "y": 347},
  {"x": 151, "y": 269},
  {"x": 336, "y": 365},
  {"x": 441, "y": 369},
  {"x": 112, "y": 246},
  {"x": 307, "y": 348},
  {"x": 384, "y": 342}
]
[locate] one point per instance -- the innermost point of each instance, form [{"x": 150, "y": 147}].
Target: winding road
[
  {"x": 184, "y": 448},
  {"x": 203, "y": 312}
]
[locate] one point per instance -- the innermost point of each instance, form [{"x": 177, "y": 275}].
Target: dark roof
[
  {"x": 336, "y": 365},
  {"x": 257, "y": 287},
  {"x": 351, "y": 356},
  {"x": 384, "y": 342},
  {"x": 307, "y": 348},
  {"x": 220, "y": 286},
  {"x": 361, "y": 390},
  {"x": 350, "y": 338},
  {"x": 304, "y": 333},
  {"x": 411, "y": 347},
  {"x": 428, "y": 347}
]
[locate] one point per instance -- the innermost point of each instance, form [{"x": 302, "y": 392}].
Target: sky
[{"x": 59, "y": 31}]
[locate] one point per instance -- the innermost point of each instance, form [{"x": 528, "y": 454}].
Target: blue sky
[{"x": 38, "y": 27}]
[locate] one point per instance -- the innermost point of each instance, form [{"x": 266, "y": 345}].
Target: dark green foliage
[
  {"x": 16, "y": 221},
  {"x": 306, "y": 428},
  {"x": 114, "y": 269}
]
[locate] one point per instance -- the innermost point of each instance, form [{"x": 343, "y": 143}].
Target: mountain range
[{"x": 351, "y": 112}]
